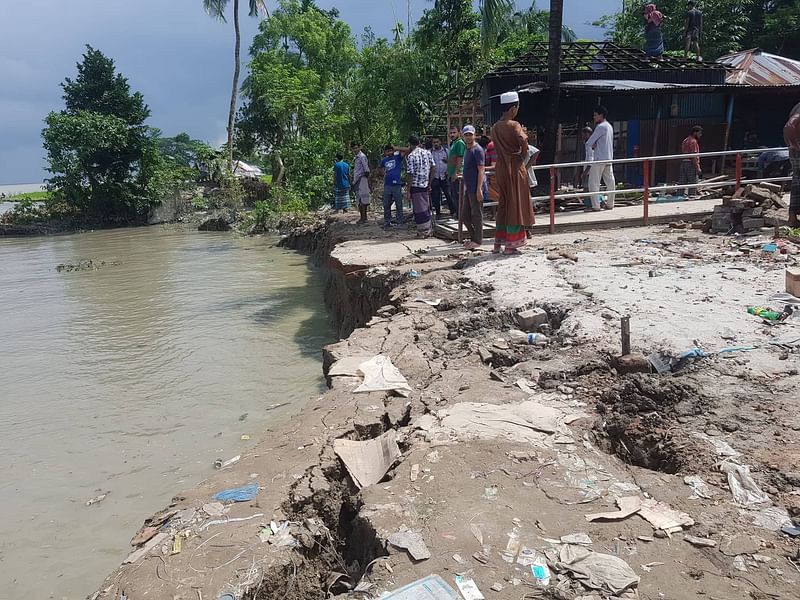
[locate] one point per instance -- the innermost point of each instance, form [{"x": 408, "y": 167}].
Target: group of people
[
  {"x": 654, "y": 37},
  {"x": 436, "y": 173}
]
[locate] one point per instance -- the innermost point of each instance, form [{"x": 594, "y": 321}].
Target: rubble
[{"x": 746, "y": 210}]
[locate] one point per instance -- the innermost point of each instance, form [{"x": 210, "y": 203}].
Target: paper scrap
[
  {"x": 367, "y": 462},
  {"x": 582, "y": 539},
  {"x": 661, "y": 516},
  {"x": 476, "y": 531},
  {"x": 414, "y": 472},
  {"x": 468, "y": 588},
  {"x": 700, "y": 542}
]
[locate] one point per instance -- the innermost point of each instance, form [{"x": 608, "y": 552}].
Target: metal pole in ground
[
  {"x": 646, "y": 197},
  {"x": 738, "y": 171},
  {"x": 552, "y": 199}
]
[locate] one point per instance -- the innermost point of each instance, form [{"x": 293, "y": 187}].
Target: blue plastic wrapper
[{"x": 242, "y": 494}]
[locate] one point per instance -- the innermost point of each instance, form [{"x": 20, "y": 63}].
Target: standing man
[
  {"x": 440, "y": 186},
  {"x": 602, "y": 144},
  {"x": 361, "y": 180},
  {"x": 341, "y": 184},
  {"x": 421, "y": 170},
  {"x": 454, "y": 166},
  {"x": 791, "y": 135},
  {"x": 690, "y": 167},
  {"x": 475, "y": 188},
  {"x": 391, "y": 164},
  {"x": 514, "y": 211},
  {"x": 693, "y": 30}
]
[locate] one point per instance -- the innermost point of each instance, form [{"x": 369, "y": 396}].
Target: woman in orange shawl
[{"x": 514, "y": 211}]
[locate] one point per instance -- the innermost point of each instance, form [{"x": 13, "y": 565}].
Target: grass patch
[
  {"x": 266, "y": 179},
  {"x": 30, "y": 196}
]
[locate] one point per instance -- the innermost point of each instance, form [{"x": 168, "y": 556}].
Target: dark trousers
[
  {"x": 472, "y": 214},
  {"x": 439, "y": 188}
]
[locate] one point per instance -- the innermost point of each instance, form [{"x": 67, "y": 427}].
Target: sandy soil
[{"x": 519, "y": 439}]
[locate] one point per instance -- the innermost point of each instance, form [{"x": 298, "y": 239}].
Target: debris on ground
[
  {"x": 224, "y": 464},
  {"x": 432, "y": 587},
  {"x": 97, "y": 499},
  {"x": 241, "y": 494},
  {"x": 745, "y": 490},
  {"x": 367, "y": 462},
  {"x": 380, "y": 375},
  {"x": 468, "y": 588},
  {"x": 596, "y": 571},
  {"x": 411, "y": 541}
]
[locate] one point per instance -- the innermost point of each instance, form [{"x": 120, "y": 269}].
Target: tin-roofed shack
[{"x": 652, "y": 103}]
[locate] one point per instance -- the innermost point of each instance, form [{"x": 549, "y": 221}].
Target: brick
[
  {"x": 753, "y": 212},
  {"x": 529, "y": 320},
  {"x": 758, "y": 193},
  {"x": 633, "y": 363},
  {"x": 793, "y": 282},
  {"x": 749, "y": 224},
  {"x": 733, "y": 202}
]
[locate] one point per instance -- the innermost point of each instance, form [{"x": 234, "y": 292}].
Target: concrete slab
[
  {"x": 366, "y": 253},
  {"x": 628, "y": 216}
]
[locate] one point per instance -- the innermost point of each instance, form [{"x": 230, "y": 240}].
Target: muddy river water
[{"x": 132, "y": 379}]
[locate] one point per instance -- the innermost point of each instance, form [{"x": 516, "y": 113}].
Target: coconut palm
[
  {"x": 217, "y": 9},
  {"x": 495, "y": 17}
]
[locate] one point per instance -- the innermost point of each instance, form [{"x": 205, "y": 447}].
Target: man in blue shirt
[
  {"x": 391, "y": 165},
  {"x": 341, "y": 183}
]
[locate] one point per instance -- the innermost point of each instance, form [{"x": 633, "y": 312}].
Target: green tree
[
  {"x": 103, "y": 157},
  {"x": 217, "y": 8},
  {"x": 774, "y": 26},
  {"x": 725, "y": 25},
  {"x": 182, "y": 150}
]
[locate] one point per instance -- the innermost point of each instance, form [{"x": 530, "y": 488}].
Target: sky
[{"x": 170, "y": 50}]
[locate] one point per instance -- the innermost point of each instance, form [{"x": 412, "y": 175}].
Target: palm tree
[
  {"x": 217, "y": 8},
  {"x": 495, "y": 18}
]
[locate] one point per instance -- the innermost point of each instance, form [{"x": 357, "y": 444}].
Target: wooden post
[
  {"x": 738, "y": 171},
  {"x": 626, "y": 336}
]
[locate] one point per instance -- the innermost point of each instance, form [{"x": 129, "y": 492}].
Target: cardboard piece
[
  {"x": 144, "y": 550},
  {"x": 627, "y": 506},
  {"x": 661, "y": 516},
  {"x": 367, "y": 462}
]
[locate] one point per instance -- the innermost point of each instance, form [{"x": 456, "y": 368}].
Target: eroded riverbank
[{"x": 464, "y": 482}]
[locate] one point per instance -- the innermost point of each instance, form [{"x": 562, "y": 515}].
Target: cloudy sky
[{"x": 173, "y": 53}]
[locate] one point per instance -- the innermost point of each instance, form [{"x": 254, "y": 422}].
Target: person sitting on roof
[{"x": 654, "y": 38}]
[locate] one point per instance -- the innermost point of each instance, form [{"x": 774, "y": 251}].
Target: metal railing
[{"x": 646, "y": 188}]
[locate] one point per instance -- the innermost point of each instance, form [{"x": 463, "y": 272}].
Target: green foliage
[
  {"x": 105, "y": 161},
  {"x": 28, "y": 210},
  {"x": 33, "y": 196},
  {"x": 728, "y": 26}
]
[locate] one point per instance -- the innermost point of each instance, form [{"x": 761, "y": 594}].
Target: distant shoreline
[{"x": 21, "y": 188}]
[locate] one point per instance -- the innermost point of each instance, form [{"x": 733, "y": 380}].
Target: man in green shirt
[{"x": 454, "y": 166}]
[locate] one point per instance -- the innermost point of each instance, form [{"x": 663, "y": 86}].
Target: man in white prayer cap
[{"x": 514, "y": 210}]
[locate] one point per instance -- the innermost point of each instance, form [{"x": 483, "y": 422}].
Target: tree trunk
[
  {"x": 235, "y": 88},
  {"x": 553, "y": 82}
]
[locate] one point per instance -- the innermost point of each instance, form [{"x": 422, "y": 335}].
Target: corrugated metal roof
[
  {"x": 618, "y": 85},
  {"x": 758, "y": 68}
]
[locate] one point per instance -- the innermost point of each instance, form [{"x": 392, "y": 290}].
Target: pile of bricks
[{"x": 745, "y": 210}]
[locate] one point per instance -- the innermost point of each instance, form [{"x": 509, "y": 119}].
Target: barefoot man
[{"x": 514, "y": 210}]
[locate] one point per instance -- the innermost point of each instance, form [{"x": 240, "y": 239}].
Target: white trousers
[{"x": 604, "y": 171}]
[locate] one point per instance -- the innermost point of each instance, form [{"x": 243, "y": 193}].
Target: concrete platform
[{"x": 628, "y": 216}]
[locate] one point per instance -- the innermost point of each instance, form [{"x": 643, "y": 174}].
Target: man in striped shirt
[{"x": 421, "y": 171}]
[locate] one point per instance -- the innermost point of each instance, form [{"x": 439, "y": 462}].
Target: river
[{"x": 132, "y": 379}]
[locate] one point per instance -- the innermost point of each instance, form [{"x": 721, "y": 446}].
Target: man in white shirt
[{"x": 602, "y": 143}]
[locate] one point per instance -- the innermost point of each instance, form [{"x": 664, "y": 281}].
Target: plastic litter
[
  {"x": 214, "y": 509},
  {"x": 736, "y": 349},
  {"x": 413, "y": 273},
  {"x": 745, "y": 491},
  {"x": 772, "y": 518},
  {"x": 224, "y": 464},
  {"x": 435, "y": 302},
  {"x": 540, "y": 571},
  {"x": 581, "y": 539},
  {"x": 513, "y": 546},
  {"x": 412, "y": 542},
  {"x": 241, "y": 494},
  {"x": 97, "y": 499},
  {"x": 432, "y": 587},
  {"x": 598, "y": 571},
  {"x": 627, "y": 506},
  {"x": 739, "y": 564},
  {"x": 226, "y": 521},
  {"x": 791, "y": 530},
  {"x": 722, "y": 447},
  {"x": 661, "y": 516},
  {"x": 380, "y": 375},
  {"x": 468, "y": 588},
  {"x": 699, "y": 487}
]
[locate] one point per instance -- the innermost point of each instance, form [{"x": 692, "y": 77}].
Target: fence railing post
[
  {"x": 646, "y": 186},
  {"x": 738, "y": 171},
  {"x": 552, "y": 199}
]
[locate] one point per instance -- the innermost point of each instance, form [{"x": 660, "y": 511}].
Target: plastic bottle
[
  {"x": 765, "y": 313},
  {"x": 522, "y": 338},
  {"x": 512, "y": 548}
]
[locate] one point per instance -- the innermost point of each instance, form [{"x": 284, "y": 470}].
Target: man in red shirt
[
  {"x": 690, "y": 167},
  {"x": 791, "y": 135}
]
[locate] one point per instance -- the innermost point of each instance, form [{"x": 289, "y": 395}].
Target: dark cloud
[{"x": 172, "y": 52}]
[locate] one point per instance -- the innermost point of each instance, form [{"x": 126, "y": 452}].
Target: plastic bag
[{"x": 745, "y": 491}]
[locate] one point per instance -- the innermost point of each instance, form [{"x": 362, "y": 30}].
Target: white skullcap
[{"x": 509, "y": 98}]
